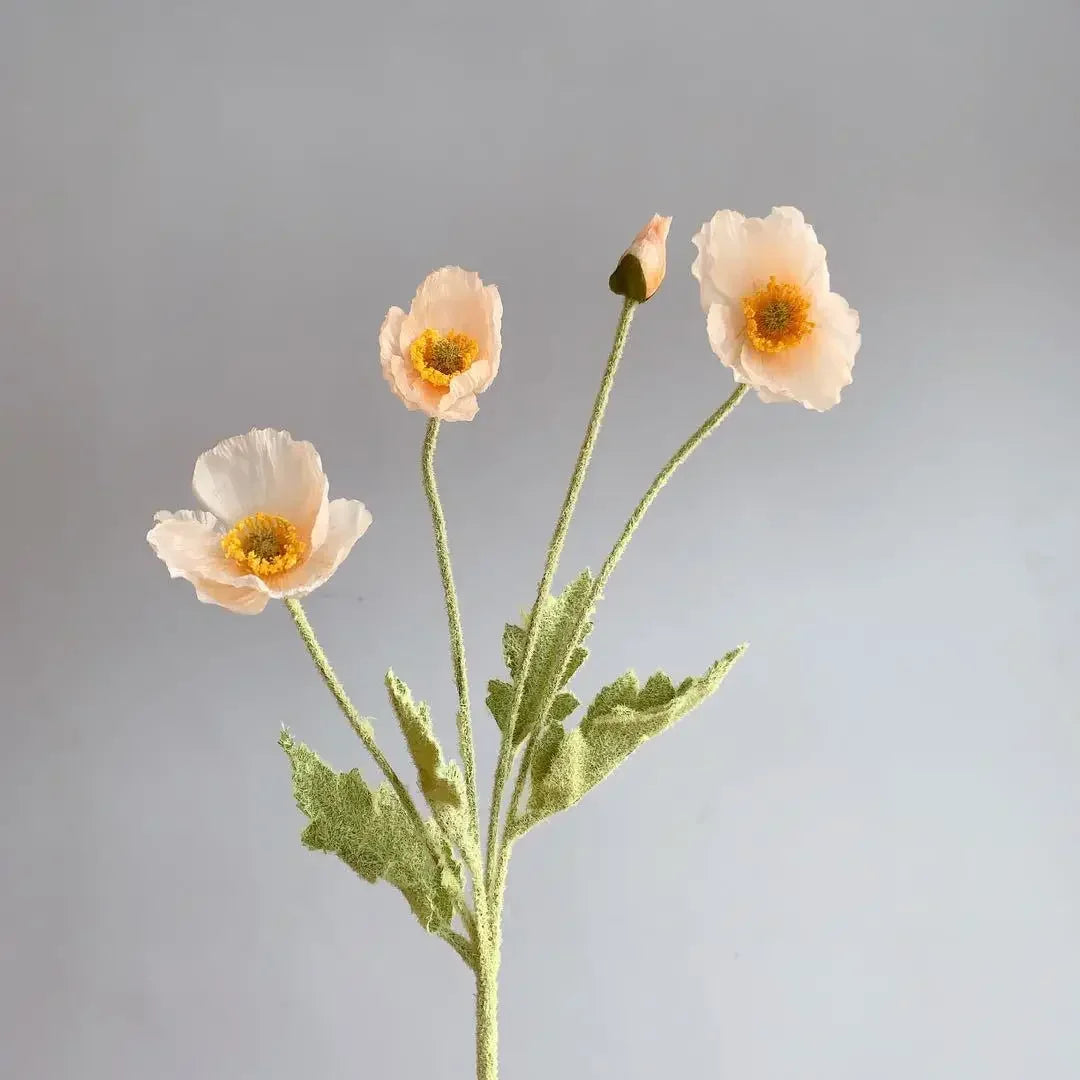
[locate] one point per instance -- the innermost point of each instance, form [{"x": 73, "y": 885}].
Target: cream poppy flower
[
  {"x": 445, "y": 350},
  {"x": 268, "y": 531},
  {"x": 769, "y": 313}
]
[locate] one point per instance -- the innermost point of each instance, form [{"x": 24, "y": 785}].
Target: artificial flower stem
[
  {"x": 635, "y": 519},
  {"x": 662, "y": 477},
  {"x": 457, "y": 641},
  {"x": 461, "y": 945},
  {"x": 558, "y": 539},
  {"x": 487, "y": 1018},
  {"x": 364, "y": 731}
]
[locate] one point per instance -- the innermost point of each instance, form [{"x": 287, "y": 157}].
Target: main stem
[
  {"x": 487, "y": 1014},
  {"x": 490, "y": 945},
  {"x": 558, "y": 539}
]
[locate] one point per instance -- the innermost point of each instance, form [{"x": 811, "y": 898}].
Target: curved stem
[
  {"x": 635, "y": 519},
  {"x": 662, "y": 477},
  {"x": 457, "y": 641},
  {"x": 558, "y": 539},
  {"x": 366, "y": 733}
]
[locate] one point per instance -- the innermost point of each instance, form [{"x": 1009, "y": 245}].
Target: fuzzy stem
[
  {"x": 457, "y": 641},
  {"x": 558, "y": 539},
  {"x": 461, "y": 945},
  {"x": 363, "y": 729},
  {"x": 487, "y": 1016},
  {"x": 662, "y": 477}
]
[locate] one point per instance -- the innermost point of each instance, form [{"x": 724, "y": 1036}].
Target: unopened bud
[{"x": 642, "y": 268}]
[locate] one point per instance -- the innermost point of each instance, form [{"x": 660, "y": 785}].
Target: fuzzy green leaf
[
  {"x": 499, "y": 701},
  {"x": 441, "y": 783},
  {"x": 567, "y": 764},
  {"x": 370, "y": 831},
  {"x": 555, "y": 659}
]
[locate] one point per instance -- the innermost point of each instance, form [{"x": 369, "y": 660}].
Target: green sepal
[
  {"x": 567, "y": 764},
  {"x": 628, "y": 279}
]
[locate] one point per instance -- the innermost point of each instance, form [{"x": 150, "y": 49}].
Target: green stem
[
  {"x": 457, "y": 641},
  {"x": 366, "y": 733},
  {"x": 635, "y": 519},
  {"x": 487, "y": 1018},
  {"x": 461, "y": 945},
  {"x": 662, "y": 477},
  {"x": 558, "y": 539}
]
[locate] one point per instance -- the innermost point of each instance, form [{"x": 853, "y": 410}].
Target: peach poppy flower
[
  {"x": 269, "y": 530},
  {"x": 445, "y": 350},
  {"x": 770, "y": 315}
]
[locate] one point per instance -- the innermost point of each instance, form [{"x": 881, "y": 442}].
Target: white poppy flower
[
  {"x": 268, "y": 531},
  {"x": 770, "y": 315}
]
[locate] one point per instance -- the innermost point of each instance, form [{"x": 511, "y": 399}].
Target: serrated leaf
[
  {"x": 441, "y": 783},
  {"x": 555, "y": 659},
  {"x": 370, "y": 831},
  {"x": 624, "y": 714}
]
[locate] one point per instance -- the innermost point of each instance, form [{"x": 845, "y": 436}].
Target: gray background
[{"x": 862, "y": 858}]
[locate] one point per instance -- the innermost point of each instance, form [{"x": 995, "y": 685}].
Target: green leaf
[
  {"x": 370, "y": 831},
  {"x": 555, "y": 659},
  {"x": 567, "y": 764},
  {"x": 441, "y": 783},
  {"x": 499, "y": 700}
]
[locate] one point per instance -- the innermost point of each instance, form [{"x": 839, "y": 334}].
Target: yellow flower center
[
  {"x": 439, "y": 357},
  {"x": 776, "y": 317},
  {"x": 264, "y": 544}
]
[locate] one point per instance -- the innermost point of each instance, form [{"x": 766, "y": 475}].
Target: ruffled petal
[
  {"x": 390, "y": 355},
  {"x": 238, "y": 601},
  {"x": 724, "y": 325},
  {"x": 268, "y": 471},
  {"x": 784, "y": 246},
  {"x": 721, "y": 263},
  {"x": 189, "y": 543},
  {"x": 736, "y": 255},
  {"x": 349, "y": 521}
]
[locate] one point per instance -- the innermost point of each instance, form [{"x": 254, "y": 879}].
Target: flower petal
[
  {"x": 737, "y": 254},
  {"x": 349, "y": 521},
  {"x": 724, "y": 325},
  {"x": 268, "y": 471},
  {"x": 784, "y": 246},
  {"x": 454, "y": 299},
  {"x": 390, "y": 356},
  {"x": 189, "y": 543},
  {"x": 720, "y": 266},
  {"x": 238, "y": 601}
]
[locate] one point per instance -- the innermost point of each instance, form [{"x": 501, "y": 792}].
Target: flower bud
[{"x": 642, "y": 267}]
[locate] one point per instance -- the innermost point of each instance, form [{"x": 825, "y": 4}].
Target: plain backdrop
[{"x": 862, "y": 857}]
